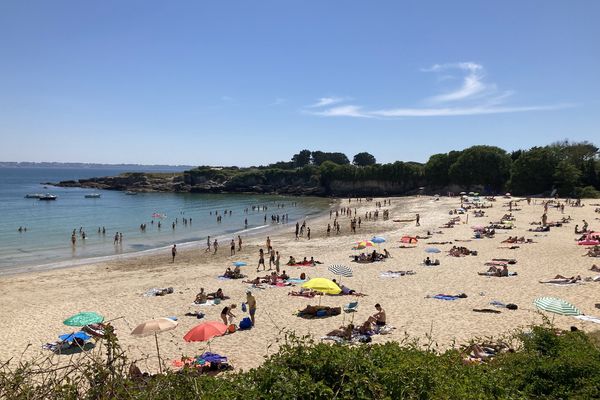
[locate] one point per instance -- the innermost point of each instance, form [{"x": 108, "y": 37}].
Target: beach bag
[
  {"x": 245, "y": 323},
  {"x": 231, "y": 328},
  {"x": 217, "y": 301},
  {"x": 512, "y": 306},
  {"x": 243, "y": 307}
]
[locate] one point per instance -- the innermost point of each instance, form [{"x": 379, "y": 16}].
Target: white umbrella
[{"x": 154, "y": 327}]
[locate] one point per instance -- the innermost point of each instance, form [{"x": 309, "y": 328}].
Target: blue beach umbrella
[
  {"x": 378, "y": 239},
  {"x": 239, "y": 264},
  {"x": 432, "y": 250}
]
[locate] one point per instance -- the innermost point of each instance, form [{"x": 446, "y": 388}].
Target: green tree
[
  {"x": 319, "y": 157},
  {"x": 566, "y": 177},
  {"x": 301, "y": 159},
  {"x": 533, "y": 171},
  {"x": 363, "y": 159},
  {"x": 481, "y": 165},
  {"x": 436, "y": 169}
]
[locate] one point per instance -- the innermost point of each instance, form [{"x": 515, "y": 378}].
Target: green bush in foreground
[{"x": 546, "y": 366}]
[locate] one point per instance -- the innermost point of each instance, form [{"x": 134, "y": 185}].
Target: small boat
[
  {"x": 33, "y": 195},
  {"x": 130, "y": 193},
  {"x": 92, "y": 196},
  {"x": 47, "y": 197}
]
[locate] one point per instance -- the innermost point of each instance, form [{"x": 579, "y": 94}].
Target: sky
[{"x": 253, "y": 82}]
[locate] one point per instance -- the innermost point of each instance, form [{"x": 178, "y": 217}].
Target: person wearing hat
[{"x": 251, "y": 301}]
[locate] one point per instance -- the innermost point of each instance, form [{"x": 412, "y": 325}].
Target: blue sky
[{"x": 246, "y": 83}]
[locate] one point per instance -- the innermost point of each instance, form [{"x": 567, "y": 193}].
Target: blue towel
[{"x": 442, "y": 297}]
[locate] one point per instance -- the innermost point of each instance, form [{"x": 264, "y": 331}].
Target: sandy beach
[{"x": 35, "y": 304}]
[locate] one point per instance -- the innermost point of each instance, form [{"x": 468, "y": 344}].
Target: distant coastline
[{"x": 76, "y": 165}]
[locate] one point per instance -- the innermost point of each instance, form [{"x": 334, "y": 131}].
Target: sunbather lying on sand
[
  {"x": 217, "y": 295},
  {"x": 303, "y": 292},
  {"x": 593, "y": 252},
  {"x": 595, "y": 268},
  {"x": 496, "y": 271},
  {"x": 347, "y": 291},
  {"x": 563, "y": 279},
  {"x": 344, "y": 332}
]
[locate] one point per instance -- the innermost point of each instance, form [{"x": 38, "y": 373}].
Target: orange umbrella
[{"x": 205, "y": 331}]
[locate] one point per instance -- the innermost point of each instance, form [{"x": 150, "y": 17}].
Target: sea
[{"x": 44, "y": 240}]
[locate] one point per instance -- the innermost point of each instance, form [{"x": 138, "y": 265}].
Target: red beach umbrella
[{"x": 205, "y": 331}]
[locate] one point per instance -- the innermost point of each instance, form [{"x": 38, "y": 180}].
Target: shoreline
[{"x": 186, "y": 245}]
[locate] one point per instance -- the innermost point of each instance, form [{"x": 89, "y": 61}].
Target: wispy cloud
[
  {"x": 472, "y": 84},
  {"x": 226, "y": 98},
  {"x": 343, "y": 111},
  {"x": 475, "y": 96},
  {"x": 327, "y": 101}
]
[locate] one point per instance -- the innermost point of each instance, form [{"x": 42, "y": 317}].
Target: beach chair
[{"x": 351, "y": 307}]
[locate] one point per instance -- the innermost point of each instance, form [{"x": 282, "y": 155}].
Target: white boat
[
  {"x": 92, "y": 196},
  {"x": 33, "y": 195},
  {"x": 47, "y": 197}
]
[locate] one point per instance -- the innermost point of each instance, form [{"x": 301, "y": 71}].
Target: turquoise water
[{"x": 50, "y": 223}]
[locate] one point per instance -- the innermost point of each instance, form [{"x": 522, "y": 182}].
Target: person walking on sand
[
  {"x": 239, "y": 243},
  {"x": 215, "y": 246},
  {"x": 297, "y": 229},
  {"x": 308, "y": 233},
  {"x": 261, "y": 260},
  {"x": 232, "y": 252},
  {"x": 207, "y": 244},
  {"x": 277, "y": 261},
  {"x": 268, "y": 243},
  {"x": 173, "y": 252},
  {"x": 251, "y": 301},
  {"x": 418, "y": 220}
]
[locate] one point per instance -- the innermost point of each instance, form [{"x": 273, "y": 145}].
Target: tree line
[{"x": 569, "y": 168}]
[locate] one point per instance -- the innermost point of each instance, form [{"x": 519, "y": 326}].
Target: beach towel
[
  {"x": 444, "y": 297},
  {"x": 497, "y": 303},
  {"x": 296, "y": 280},
  {"x": 395, "y": 274},
  {"x": 208, "y": 303},
  {"x": 588, "y": 318}
]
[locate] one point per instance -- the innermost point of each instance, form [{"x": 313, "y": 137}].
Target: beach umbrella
[
  {"x": 462, "y": 193},
  {"x": 239, "y": 264},
  {"x": 69, "y": 337},
  {"x": 378, "y": 239},
  {"x": 84, "y": 318},
  {"x": 363, "y": 244},
  {"x": 408, "y": 239},
  {"x": 432, "y": 250},
  {"x": 205, "y": 331},
  {"x": 555, "y": 305},
  {"x": 322, "y": 285},
  {"x": 341, "y": 270},
  {"x": 508, "y": 194},
  {"x": 154, "y": 327}
]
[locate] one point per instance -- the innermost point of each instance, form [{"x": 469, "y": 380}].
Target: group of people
[{"x": 372, "y": 257}]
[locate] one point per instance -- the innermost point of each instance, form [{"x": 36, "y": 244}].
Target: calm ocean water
[{"x": 50, "y": 223}]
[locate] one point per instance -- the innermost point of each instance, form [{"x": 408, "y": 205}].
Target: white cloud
[
  {"x": 342, "y": 111},
  {"x": 473, "y": 97},
  {"x": 458, "y": 111},
  {"x": 326, "y": 101}
]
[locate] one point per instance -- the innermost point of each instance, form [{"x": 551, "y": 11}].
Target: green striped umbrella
[
  {"x": 558, "y": 306},
  {"x": 84, "y": 318}
]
